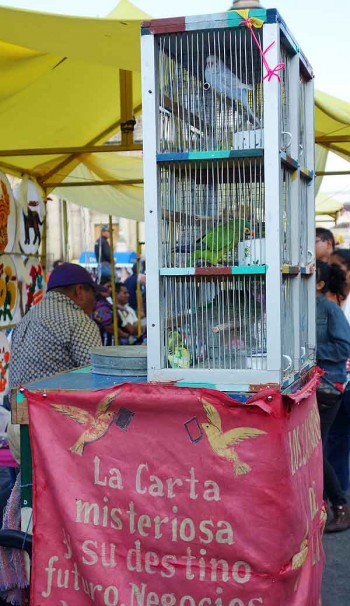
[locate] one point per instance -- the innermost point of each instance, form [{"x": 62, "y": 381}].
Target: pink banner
[{"x": 155, "y": 495}]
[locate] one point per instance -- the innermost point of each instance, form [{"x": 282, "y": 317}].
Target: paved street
[{"x": 336, "y": 580}]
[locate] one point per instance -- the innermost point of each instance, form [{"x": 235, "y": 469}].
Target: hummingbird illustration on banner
[
  {"x": 222, "y": 443},
  {"x": 95, "y": 427}
]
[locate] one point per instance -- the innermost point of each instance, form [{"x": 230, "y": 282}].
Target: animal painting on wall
[
  {"x": 33, "y": 284},
  {"x": 4, "y": 363},
  {"x": 7, "y": 216},
  {"x": 31, "y": 212},
  {"x": 8, "y": 290}
]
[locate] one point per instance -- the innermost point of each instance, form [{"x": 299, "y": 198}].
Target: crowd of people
[
  {"x": 130, "y": 308},
  {"x": 333, "y": 353}
]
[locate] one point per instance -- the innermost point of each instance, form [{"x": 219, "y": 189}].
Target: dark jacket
[
  {"x": 103, "y": 244},
  {"x": 131, "y": 285},
  {"x": 333, "y": 339}
]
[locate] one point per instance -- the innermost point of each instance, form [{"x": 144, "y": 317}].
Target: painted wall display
[
  {"x": 31, "y": 211},
  {"x": 4, "y": 363},
  {"x": 8, "y": 290},
  {"x": 33, "y": 284},
  {"x": 7, "y": 215}
]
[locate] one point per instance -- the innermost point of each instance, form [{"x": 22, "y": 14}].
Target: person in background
[
  {"x": 338, "y": 443},
  {"x": 56, "y": 334},
  {"x": 333, "y": 350},
  {"x": 127, "y": 317},
  {"x": 103, "y": 314},
  {"x": 131, "y": 285},
  {"x": 103, "y": 252},
  {"x": 127, "y": 320},
  {"x": 107, "y": 283},
  {"x": 325, "y": 244},
  {"x": 341, "y": 257},
  {"x": 126, "y": 314}
]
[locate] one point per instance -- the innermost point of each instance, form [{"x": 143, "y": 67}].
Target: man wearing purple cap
[{"x": 57, "y": 334}]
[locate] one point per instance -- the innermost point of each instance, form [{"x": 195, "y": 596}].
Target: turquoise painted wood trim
[
  {"x": 238, "y": 391},
  {"x": 221, "y": 20},
  {"x": 20, "y": 397},
  {"x": 209, "y": 155},
  {"x": 234, "y": 19},
  {"x": 237, "y": 270},
  {"x": 244, "y": 270},
  {"x": 205, "y": 22}
]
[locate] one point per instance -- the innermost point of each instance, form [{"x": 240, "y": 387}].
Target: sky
[{"x": 321, "y": 32}]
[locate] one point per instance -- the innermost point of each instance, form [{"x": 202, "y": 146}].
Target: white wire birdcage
[{"x": 228, "y": 200}]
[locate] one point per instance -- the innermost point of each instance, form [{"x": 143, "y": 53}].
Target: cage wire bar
[{"x": 232, "y": 218}]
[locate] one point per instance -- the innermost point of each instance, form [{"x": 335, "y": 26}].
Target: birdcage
[{"x": 229, "y": 200}]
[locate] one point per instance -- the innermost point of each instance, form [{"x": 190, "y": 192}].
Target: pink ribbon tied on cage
[{"x": 251, "y": 22}]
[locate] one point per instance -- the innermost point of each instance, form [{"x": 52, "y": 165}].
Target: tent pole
[
  {"x": 65, "y": 230},
  {"x": 127, "y": 122},
  {"x": 44, "y": 240},
  {"x": 138, "y": 285},
  {"x": 114, "y": 294},
  {"x": 332, "y": 173}
]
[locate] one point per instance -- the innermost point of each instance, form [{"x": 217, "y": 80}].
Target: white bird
[{"x": 223, "y": 81}]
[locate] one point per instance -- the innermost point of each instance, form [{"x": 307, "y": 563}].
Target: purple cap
[{"x": 69, "y": 274}]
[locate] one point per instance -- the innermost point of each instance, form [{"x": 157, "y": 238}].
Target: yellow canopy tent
[
  {"x": 326, "y": 205},
  {"x": 332, "y": 118},
  {"x": 63, "y": 84},
  {"x": 124, "y": 199}
]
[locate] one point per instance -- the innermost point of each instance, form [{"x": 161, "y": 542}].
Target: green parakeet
[
  {"x": 220, "y": 241},
  {"x": 178, "y": 354}
]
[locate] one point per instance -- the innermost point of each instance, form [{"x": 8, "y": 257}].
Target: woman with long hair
[
  {"x": 333, "y": 350},
  {"x": 338, "y": 446}
]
